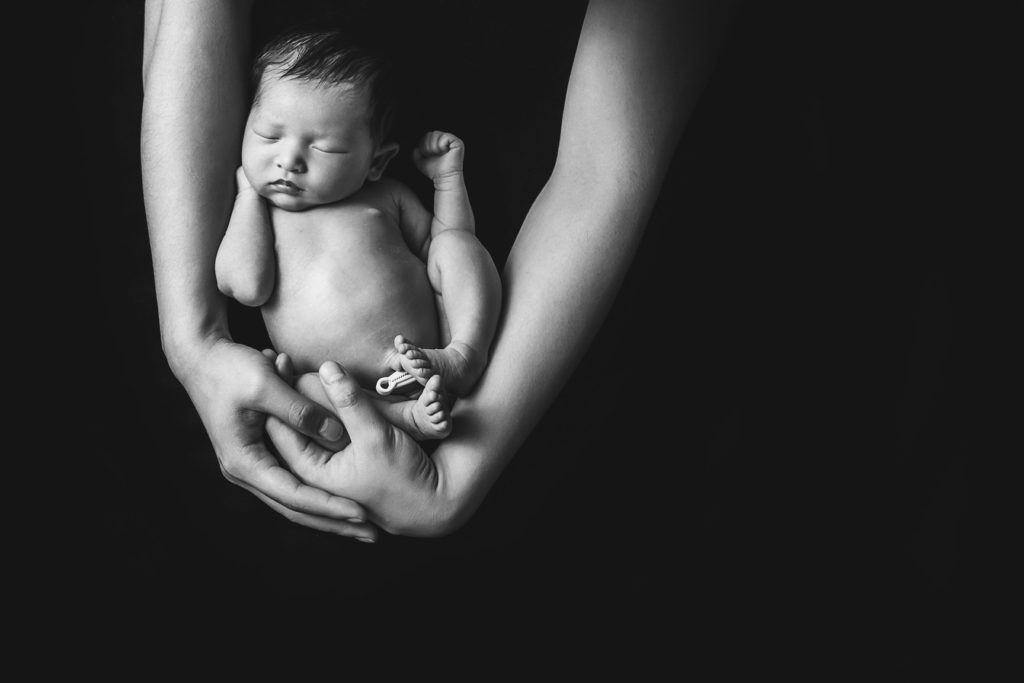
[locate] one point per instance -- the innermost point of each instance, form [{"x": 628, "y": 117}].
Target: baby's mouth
[{"x": 286, "y": 184}]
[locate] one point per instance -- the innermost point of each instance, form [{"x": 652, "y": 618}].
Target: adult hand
[
  {"x": 382, "y": 466},
  {"x": 234, "y": 388}
]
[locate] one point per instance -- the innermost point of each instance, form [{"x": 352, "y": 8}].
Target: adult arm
[
  {"x": 638, "y": 70},
  {"x": 192, "y": 114},
  {"x": 637, "y": 74}
]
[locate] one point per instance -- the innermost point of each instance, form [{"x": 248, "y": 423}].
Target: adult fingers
[
  {"x": 285, "y": 368},
  {"x": 262, "y": 473},
  {"x": 301, "y": 413},
  {"x": 364, "y": 423},
  {"x": 300, "y": 453},
  {"x": 365, "y": 532}
]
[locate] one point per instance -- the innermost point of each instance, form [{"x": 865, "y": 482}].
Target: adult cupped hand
[
  {"x": 382, "y": 467},
  {"x": 234, "y": 388}
]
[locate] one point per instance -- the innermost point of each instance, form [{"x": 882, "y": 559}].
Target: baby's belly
[{"x": 344, "y": 295}]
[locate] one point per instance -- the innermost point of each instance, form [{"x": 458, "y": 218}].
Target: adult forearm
[
  {"x": 192, "y": 114},
  {"x": 559, "y": 281},
  {"x": 638, "y": 71}
]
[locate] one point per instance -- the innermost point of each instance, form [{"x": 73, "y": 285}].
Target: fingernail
[
  {"x": 331, "y": 429},
  {"x": 365, "y": 539},
  {"x": 331, "y": 372},
  {"x": 355, "y": 520}
]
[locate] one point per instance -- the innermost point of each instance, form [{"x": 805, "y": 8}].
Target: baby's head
[{"x": 320, "y": 117}]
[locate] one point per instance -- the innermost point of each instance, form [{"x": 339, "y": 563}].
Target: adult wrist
[{"x": 185, "y": 345}]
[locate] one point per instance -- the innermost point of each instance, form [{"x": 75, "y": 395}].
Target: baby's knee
[
  {"x": 455, "y": 247},
  {"x": 454, "y": 239}
]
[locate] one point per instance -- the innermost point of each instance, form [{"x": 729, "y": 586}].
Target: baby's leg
[
  {"x": 468, "y": 292},
  {"x": 424, "y": 417}
]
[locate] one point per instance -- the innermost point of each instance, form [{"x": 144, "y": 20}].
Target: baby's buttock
[{"x": 344, "y": 291}]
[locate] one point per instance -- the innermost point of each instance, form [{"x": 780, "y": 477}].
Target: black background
[{"x": 795, "y": 483}]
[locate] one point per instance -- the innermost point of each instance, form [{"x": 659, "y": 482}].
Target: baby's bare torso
[{"x": 347, "y": 284}]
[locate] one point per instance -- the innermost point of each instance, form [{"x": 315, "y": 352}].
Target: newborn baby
[{"x": 347, "y": 265}]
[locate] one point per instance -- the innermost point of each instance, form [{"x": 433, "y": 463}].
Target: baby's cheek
[
  {"x": 252, "y": 177},
  {"x": 250, "y": 164},
  {"x": 342, "y": 187}
]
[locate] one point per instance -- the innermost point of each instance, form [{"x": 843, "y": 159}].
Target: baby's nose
[{"x": 290, "y": 160}]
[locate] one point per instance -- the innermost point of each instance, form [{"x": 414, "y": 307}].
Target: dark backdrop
[{"x": 768, "y": 443}]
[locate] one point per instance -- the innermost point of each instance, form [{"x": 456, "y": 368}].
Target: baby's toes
[
  {"x": 430, "y": 398},
  {"x": 417, "y": 364}
]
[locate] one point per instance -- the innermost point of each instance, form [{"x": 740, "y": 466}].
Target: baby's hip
[{"x": 364, "y": 344}]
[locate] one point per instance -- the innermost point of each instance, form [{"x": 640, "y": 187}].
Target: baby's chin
[{"x": 287, "y": 202}]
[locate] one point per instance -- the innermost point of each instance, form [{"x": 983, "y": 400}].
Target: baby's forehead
[
  {"x": 348, "y": 90},
  {"x": 325, "y": 107}
]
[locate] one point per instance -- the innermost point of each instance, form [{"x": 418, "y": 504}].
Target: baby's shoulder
[
  {"x": 385, "y": 196},
  {"x": 386, "y": 190}
]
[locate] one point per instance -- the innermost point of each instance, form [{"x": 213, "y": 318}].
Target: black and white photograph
[{"x": 627, "y": 332}]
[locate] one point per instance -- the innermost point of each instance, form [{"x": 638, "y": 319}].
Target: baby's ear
[{"x": 381, "y": 158}]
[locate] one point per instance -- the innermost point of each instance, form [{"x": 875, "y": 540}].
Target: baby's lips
[{"x": 284, "y": 186}]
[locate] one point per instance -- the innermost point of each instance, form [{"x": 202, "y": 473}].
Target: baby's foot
[
  {"x": 427, "y": 417},
  {"x": 458, "y": 364},
  {"x": 412, "y": 359}
]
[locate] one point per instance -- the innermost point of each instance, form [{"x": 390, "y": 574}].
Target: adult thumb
[{"x": 361, "y": 418}]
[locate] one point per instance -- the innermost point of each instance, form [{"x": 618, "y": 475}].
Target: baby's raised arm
[
  {"x": 245, "y": 259},
  {"x": 439, "y": 156}
]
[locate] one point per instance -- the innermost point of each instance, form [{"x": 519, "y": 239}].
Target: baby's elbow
[
  {"x": 224, "y": 285},
  {"x": 223, "y": 273},
  {"x": 251, "y": 294},
  {"x": 246, "y": 291}
]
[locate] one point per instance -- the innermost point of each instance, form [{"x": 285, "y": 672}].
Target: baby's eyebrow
[
  {"x": 267, "y": 123},
  {"x": 263, "y": 116}
]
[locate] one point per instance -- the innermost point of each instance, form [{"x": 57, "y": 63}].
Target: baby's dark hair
[{"x": 329, "y": 58}]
